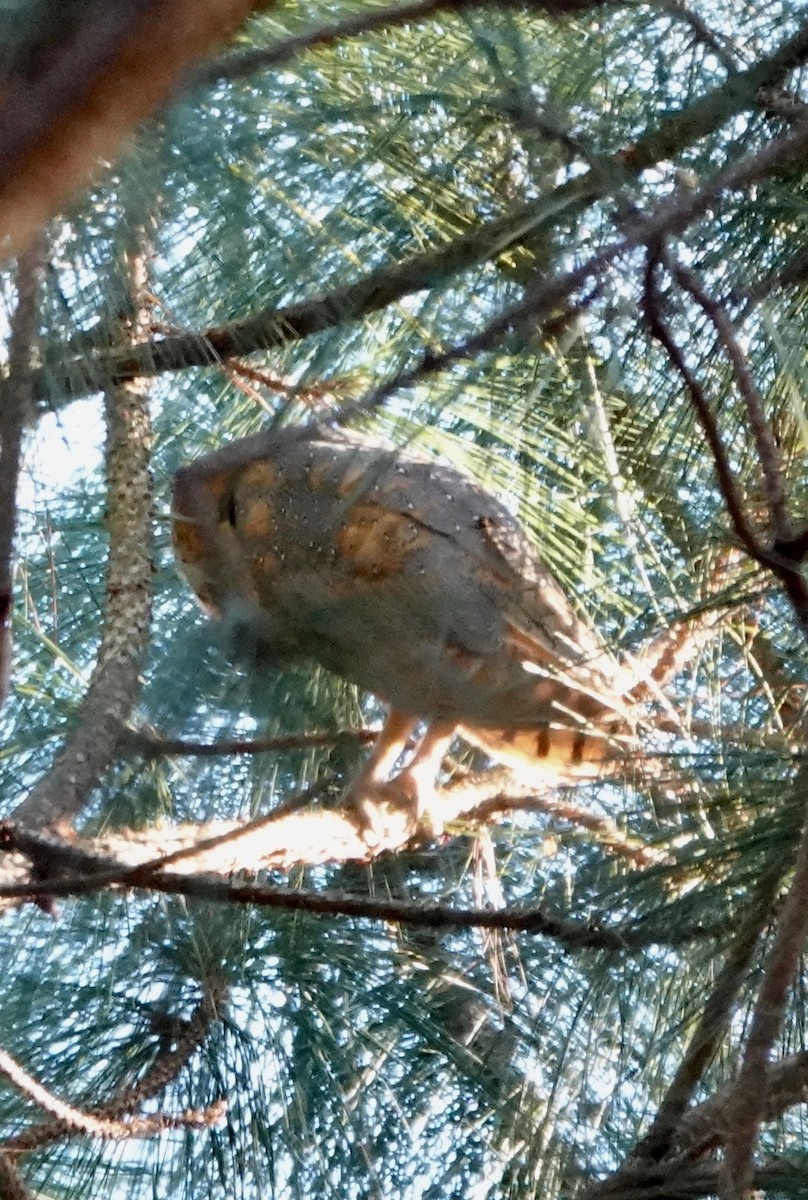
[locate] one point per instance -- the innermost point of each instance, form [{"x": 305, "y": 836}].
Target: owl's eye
[{"x": 229, "y": 510}]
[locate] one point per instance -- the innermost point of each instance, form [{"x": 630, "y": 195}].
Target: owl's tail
[{"x": 561, "y": 753}]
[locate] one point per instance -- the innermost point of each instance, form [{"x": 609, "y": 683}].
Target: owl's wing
[{"x": 494, "y": 564}]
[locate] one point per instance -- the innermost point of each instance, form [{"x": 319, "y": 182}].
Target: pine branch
[
  {"x": 264, "y": 330},
  {"x": 16, "y": 410},
  {"x": 92, "y": 743},
  {"x": 108, "y": 1117}
]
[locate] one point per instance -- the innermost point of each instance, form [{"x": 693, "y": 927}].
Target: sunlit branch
[{"x": 100, "y": 873}]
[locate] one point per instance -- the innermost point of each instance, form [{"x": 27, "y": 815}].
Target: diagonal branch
[
  {"x": 713, "y": 1021},
  {"x": 75, "y": 376},
  {"x": 128, "y": 1100},
  {"x": 768, "y": 453},
  {"x": 652, "y": 311},
  {"x": 248, "y": 62},
  {"x": 781, "y": 553}
]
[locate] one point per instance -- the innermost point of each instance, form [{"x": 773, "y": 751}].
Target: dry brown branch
[
  {"x": 91, "y": 744},
  {"x": 73, "y": 1119},
  {"x": 604, "y": 831},
  {"x": 94, "y": 83}
]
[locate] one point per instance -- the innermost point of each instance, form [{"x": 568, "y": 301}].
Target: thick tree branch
[
  {"x": 12, "y": 1186},
  {"x": 574, "y": 935},
  {"x": 91, "y": 744},
  {"x": 16, "y": 410},
  {"x": 706, "y": 1125}
]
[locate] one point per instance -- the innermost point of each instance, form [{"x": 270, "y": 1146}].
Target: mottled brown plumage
[{"x": 406, "y": 577}]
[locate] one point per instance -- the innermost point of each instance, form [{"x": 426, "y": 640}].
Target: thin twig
[
  {"x": 652, "y": 311},
  {"x": 152, "y": 745},
  {"x": 768, "y": 453},
  {"x": 778, "y": 556},
  {"x": 719, "y": 44}
]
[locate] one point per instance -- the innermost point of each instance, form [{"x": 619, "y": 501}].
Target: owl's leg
[
  {"x": 415, "y": 784},
  {"x": 387, "y": 750}
]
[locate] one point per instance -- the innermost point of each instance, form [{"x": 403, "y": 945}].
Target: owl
[{"x": 406, "y": 577}]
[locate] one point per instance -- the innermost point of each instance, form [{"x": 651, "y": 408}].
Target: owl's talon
[{"x": 376, "y": 806}]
